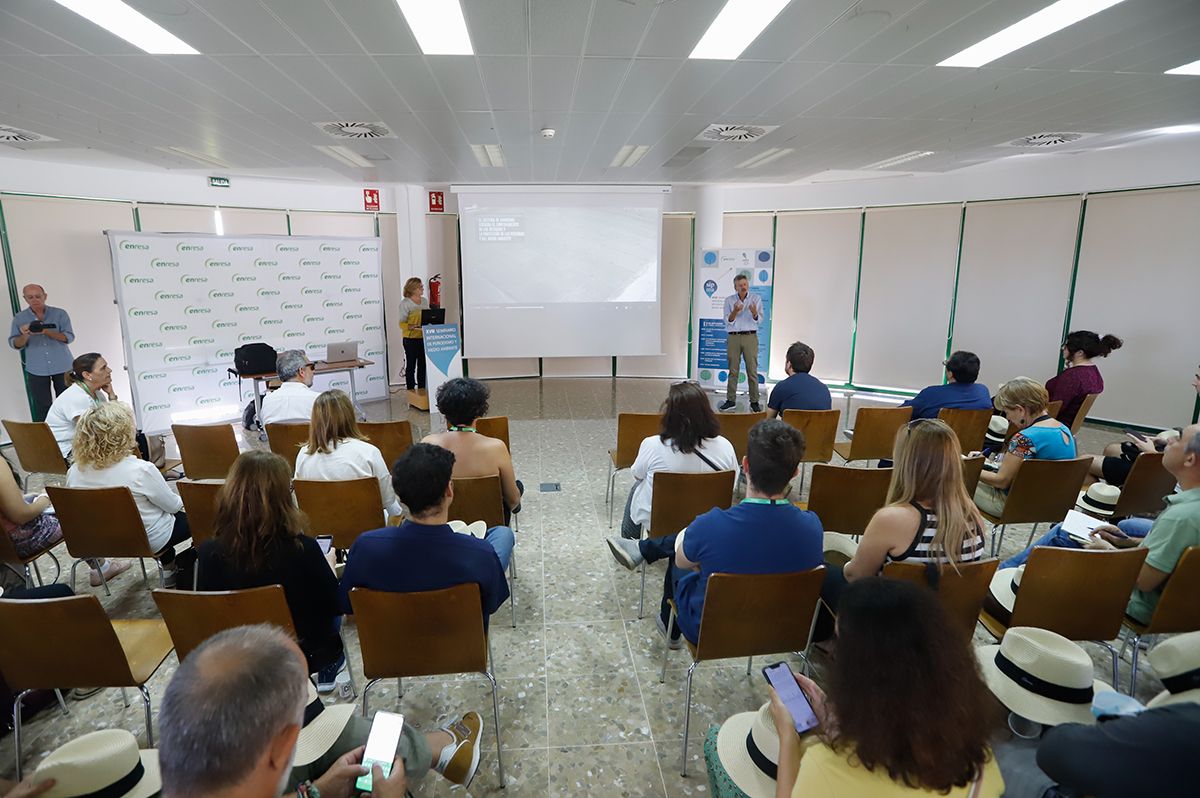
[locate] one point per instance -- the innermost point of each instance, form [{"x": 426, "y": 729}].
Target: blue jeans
[
  {"x": 502, "y": 540},
  {"x": 1134, "y": 527}
]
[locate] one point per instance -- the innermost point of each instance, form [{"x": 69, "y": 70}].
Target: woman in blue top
[{"x": 1039, "y": 437}]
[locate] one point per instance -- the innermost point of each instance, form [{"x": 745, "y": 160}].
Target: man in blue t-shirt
[
  {"x": 765, "y": 534},
  {"x": 425, "y": 553},
  {"x": 960, "y": 391},
  {"x": 801, "y": 390}
]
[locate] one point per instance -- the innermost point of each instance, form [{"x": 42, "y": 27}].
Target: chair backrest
[
  {"x": 286, "y": 439},
  {"x": 344, "y": 508},
  {"x": 819, "y": 428},
  {"x": 207, "y": 452},
  {"x": 200, "y": 503},
  {"x": 632, "y": 429},
  {"x": 972, "y": 468},
  {"x": 736, "y": 429},
  {"x": 100, "y": 522},
  {"x": 8, "y": 552},
  {"x": 393, "y": 438},
  {"x": 420, "y": 634},
  {"x": 845, "y": 498},
  {"x": 969, "y": 425},
  {"x": 37, "y": 451},
  {"x": 1043, "y": 490},
  {"x": 961, "y": 590},
  {"x": 494, "y": 427},
  {"x": 478, "y": 499},
  {"x": 678, "y": 498},
  {"x": 1079, "y": 593},
  {"x": 193, "y": 617},
  {"x": 1148, "y": 482},
  {"x": 1054, "y": 408},
  {"x": 35, "y": 631},
  {"x": 1084, "y": 409},
  {"x": 875, "y": 431},
  {"x": 1178, "y": 608},
  {"x": 749, "y": 614}
]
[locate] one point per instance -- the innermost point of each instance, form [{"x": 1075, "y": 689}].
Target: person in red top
[{"x": 1079, "y": 376}]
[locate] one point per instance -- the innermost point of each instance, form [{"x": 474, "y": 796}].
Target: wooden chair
[
  {"x": 1084, "y": 409},
  {"x": 632, "y": 429},
  {"x": 99, "y": 523},
  {"x": 482, "y": 499},
  {"x": 1148, "y": 482},
  {"x": 343, "y": 508},
  {"x": 423, "y": 634},
  {"x": 286, "y": 439},
  {"x": 1177, "y": 611},
  {"x": 961, "y": 590},
  {"x": 874, "y": 433},
  {"x": 735, "y": 427},
  {"x": 845, "y": 498},
  {"x": 742, "y": 618},
  {"x": 200, "y": 504},
  {"x": 972, "y": 468},
  {"x": 19, "y": 565},
  {"x": 819, "y": 428},
  {"x": 677, "y": 499},
  {"x": 208, "y": 452},
  {"x": 36, "y": 449},
  {"x": 969, "y": 425},
  {"x": 70, "y": 642},
  {"x": 494, "y": 427},
  {"x": 393, "y": 438},
  {"x": 1042, "y": 491},
  {"x": 1079, "y": 593}
]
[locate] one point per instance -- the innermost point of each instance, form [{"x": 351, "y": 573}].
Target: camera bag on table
[{"x": 250, "y": 359}]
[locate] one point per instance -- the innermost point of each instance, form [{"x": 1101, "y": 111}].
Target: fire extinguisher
[{"x": 435, "y": 290}]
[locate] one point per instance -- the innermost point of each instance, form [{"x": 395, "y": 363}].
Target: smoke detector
[
  {"x": 15, "y": 135},
  {"x": 734, "y": 133},
  {"x": 356, "y": 130},
  {"x": 548, "y": 132},
  {"x": 1045, "y": 141}
]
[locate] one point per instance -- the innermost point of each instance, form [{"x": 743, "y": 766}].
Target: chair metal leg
[
  {"x": 62, "y": 704},
  {"x": 512, "y": 601},
  {"x": 162, "y": 576},
  {"x": 800, "y": 489},
  {"x": 1133, "y": 672},
  {"x": 145, "y": 578},
  {"x": 496, "y": 717},
  {"x": 37, "y": 571},
  {"x": 1032, "y": 532},
  {"x": 125, "y": 697},
  {"x": 687, "y": 718},
  {"x": 997, "y": 538},
  {"x": 349, "y": 669},
  {"x": 1115, "y": 661},
  {"x": 608, "y": 486},
  {"x": 642, "y": 598},
  {"x": 749, "y": 664},
  {"x": 366, "y": 694},
  {"x": 16, "y": 717},
  {"x": 662, "y": 677},
  {"x": 399, "y": 687},
  {"x": 149, "y": 720},
  {"x": 28, "y": 577}
]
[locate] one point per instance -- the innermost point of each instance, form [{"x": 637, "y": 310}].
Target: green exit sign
[{"x": 219, "y": 182}]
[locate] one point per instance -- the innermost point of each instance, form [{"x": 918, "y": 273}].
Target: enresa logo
[
  {"x": 351, "y": 316},
  {"x": 314, "y": 319},
  {"x": 147, "y": 345},
  {"x": 166, "y": 296},
  {"x": 246, "y": 338},
  {"x": 295, "y": 334},
  {"x": 197, "y": 310},
  {"x": 330, "y": 276},
  {"x": 162, "y": 263},
  {"x": 368, "y": 275},
  {"x": 375, "y": 378},
  {"x": 148, "y": 376},
  {"x": 182, "y": 388},
  {"x": 205, "y": 401},
  {"x": 224, "y": 325},
  {"x": 141, "y": 313},
  {"x": 335, "y": 331},
  {"x": 228, "y": 383},
  {"x": 204, "y": 371},
  {"x": 309, "y": 262},
  {"x": 289, "y": 278},
  {"x": 246, "y": 308},
  {"x": 241, "y": 248},
  {"x": 347, "y": 263},
  {"x": 330, "y": 248},
  {"x": 331, "y": 303},
  {"x": 263, "y": 263},
  {"x": 245, "y": 278},
  {"x": 374, "y": 353},
  {"x": 265, "y": 292},
  {"x": 265, "y": 322},
  {"x": 286, "y": 248},
  {"x": 178, "y": 357},
  {"x": 134, "y": 280},
  {"x": 371, "y": 328},
  {"x": 182, "y": 247},
  {"x": 197, "y": 340},
  {"x": 311, "y": 291},
  {"x": 370, "y": 301},
  {"x": 351, "y": 289},
  {"x": 368, "y": 248},
  {"x": 292, "y": 306},
  {"x": 216, "y": 263},
  {"x": 128, "y": 246},
  {"x": 225, "y": 354},
  {"x": 168, "y": 326},
  {"x": 215, "y": 294},
  {"x": 192, "y": 279},
  {"x": 154, "y": 406}
]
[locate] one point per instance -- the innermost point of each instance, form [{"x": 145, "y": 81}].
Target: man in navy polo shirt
[
  {"x": 801, "y": 390},
  {"x": 960, "y": 391},
  {"x": 765, "y": 534},
  {"x": 425, "y": 553}
]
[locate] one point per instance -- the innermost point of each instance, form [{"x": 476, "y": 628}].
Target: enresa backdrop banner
[{"x": 187, "y": 301}]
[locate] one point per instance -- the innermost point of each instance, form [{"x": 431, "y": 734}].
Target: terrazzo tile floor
[{"x": 582, "y": 710}]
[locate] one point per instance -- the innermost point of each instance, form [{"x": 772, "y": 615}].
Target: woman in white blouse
[{"x": 337, "y": 450}]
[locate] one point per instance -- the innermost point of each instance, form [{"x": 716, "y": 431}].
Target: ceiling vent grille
[
  {"x": 1044, "y": 141},
  {"x": 15, "y": 135},
  {"x": 356, "y": 130},
  {"x": 735, "y": 133}
]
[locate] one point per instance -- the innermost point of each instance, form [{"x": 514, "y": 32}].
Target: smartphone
[
  {"x": 1135, "y": 434},
  {"x": 381, "y": 746},
  {"x": 780, "y": 677},
  {"x": 325, "y": 542}
]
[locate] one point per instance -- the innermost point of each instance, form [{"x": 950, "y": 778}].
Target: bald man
[{"x": 41, "y": 333}]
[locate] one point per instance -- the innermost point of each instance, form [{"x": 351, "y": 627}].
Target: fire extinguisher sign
[
  {"x": 437, "y": 202},
  {"x": 370, "y": 199}
]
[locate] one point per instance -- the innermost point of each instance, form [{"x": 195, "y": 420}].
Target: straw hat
[
  {"x": 839, "y": 545},
  {"x": 748, "y": 747},
  {"x": 322, "y": 726},
  {"x": 997, "y": 430},
  {"x": 1041, "y": 675},
  {"x": 1176, "y": 660},
  {"x": 1099, "y": 499},
  {"x": 107, "y": 762},
  {"x": 1005, "y": 584}
]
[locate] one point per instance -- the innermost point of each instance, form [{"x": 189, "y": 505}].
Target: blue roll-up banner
[{"x": 443, "y": 356}]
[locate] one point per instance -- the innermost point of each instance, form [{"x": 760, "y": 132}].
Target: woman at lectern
[{"x": 410, "y": 328}]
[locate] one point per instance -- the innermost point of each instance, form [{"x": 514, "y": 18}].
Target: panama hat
[
  {"x": 1041, "y": 675},
  {"x": 106, "y": 763},
  {"x": 997, "y": 431},
  {"x": 1177, "y": 663},
  {"x": 748, "y": 747},
  {"x": 1099, "y": 499},
  {"x": 842, "y": 547},
  {"x": 1005, "y": 584},
  {"x": 322, "y": 726}
]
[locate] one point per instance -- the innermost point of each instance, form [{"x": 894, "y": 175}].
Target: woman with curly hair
[{"x": 104, "y": 449}]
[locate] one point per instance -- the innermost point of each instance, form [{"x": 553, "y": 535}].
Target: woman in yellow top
[
  {"x": 907, "y": 712},
  {"x": 410, "y": 328}
]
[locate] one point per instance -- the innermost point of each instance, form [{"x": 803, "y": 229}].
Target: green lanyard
[
  {"x": 765, "y": 501},
  {"x": 460, "y": 429}
]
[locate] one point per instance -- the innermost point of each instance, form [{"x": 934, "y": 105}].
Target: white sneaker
[
  {"x": 342, "y": 685},
  {"x": 626, "y": 552}
]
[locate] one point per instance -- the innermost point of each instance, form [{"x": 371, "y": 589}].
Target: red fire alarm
[
  {"x": 437, "y": 202},
  {"x": 370, "y": 199}
]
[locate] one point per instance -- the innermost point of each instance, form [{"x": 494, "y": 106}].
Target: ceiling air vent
[
  {"x": 356, "y": 130},
  {"x": 735, "y": 133},
  {"x": 1043, "y": 141},
  {"x": 15, "y": 135}
]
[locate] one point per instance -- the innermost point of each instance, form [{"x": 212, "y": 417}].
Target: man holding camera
[{"x": 43, "y": 332}]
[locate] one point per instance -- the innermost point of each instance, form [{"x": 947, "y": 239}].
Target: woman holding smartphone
[{"x": 918, "y": 725}]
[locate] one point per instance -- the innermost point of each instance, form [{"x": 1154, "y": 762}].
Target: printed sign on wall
[
  {"x": 370, "y": 199},
  {"x": 437, "y": 202}
]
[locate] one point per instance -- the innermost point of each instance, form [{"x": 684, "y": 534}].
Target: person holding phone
[
  {"x": 42, "y": 333},
  {"x": 881, "y": 731}
]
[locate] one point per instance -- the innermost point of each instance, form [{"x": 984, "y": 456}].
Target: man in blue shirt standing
[
  {"x": 765, "y": 534},
  {"x": 801, "y": 390},
  {"x": 43, "y": 333},
  {"x": 960, "y": 391},
  {"x": 743, "y": 313}
]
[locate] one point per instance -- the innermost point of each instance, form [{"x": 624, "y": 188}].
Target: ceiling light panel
[
  {"x": 488, "y": 155},
  {"x": 766, "y": 156},
  {"x": 888, "y": 163},
  {"x": 119, "y": 19},
  {"x": 737, "y": 25},
  {"x": 629, "y": 155},
  {"x": 344, "y": 154},
  {"x": 1187, "y": 69},
  {"x": 438, "y": 26},
  {"x": 1050, "y": 19}
]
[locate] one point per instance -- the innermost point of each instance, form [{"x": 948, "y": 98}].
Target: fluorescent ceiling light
[
  {"x": 119, "y": 19},
  {"x": 766, "y": 156},
  {"x": 488, "y": 155},
  {"x": 1187, "y": 69},
  {"x": 888, "y": 163},
  {"x": 344, "y": 154},
  {"x": 195, "y": 155},
  {"x": 629, "y": 154},
  {"x": 1178, "y": 129},
  {"x": 438, "y": 26},
  {"x": 737, "y": 25},
  {"x": 622, "y": 154},
  {"x": 1050, "y": 19}
]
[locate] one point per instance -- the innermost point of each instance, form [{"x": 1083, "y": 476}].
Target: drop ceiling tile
[
  {"x": 46, "y": 76},
  {"x": 310, "y": 74},
  {"x": 599, "y": 81},
  {"x": 645, "y": 82},
  {"x": 616, "y": 28},
  {"x": 853, "y": 30},
  {"x": 775, "y": 87},
  {"x": 553, "y": 82},
  {"x": 506, "y": 79},
  {"x": 878, "y": 81},
  {"x": 314, "y": 23},
  {"x": 690, "y": 83},
  {"x": 497, "y": 27},
  {"x": 677, "y": 27},
  {"x": 411, "y": 76},
  {"x": 557, "y": 27},
  {"x": 252, "y": 23},
  {"x": 519, "y": 142},
  {"x": 378, "y": 25},
  {"x": 366, "y": 77},
  {"x": 459, "y": 80},
  {"x": 824, "y": 85},
  {"x": 799, "y": 23},
  {"x": 965, "y": 26},
  {"x": 734, "y": 83},
  {"x": 25, "y": 37},
  {"x": 264, "y": 76}
]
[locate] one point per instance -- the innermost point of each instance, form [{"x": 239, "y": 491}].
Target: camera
[{"x": 36, "y": 326}]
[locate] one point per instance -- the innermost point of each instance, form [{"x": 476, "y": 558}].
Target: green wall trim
[
  {"x": 691, "y": 296},
  {"x": 1074, "y": 276},
  {"x": 64, "y": 196},
  {"x": 137, "y": 219},
  {"x": 14, "y": 298},
  {"x": 962, "y": 225},
  {"x": 862, "y": 234},
  {"x": 1100, "y": 422},
  {"x": 288, "y": 215}
]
